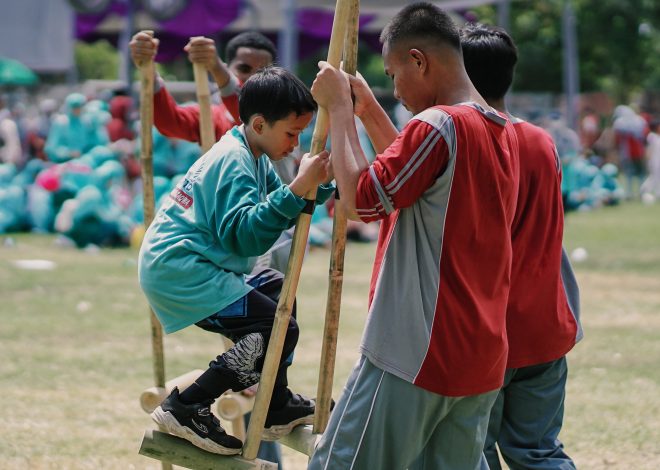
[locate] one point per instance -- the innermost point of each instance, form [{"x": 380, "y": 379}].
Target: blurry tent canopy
[
  {"x": 89, "y": 7},
  {"x": 194, "y": 18},
  {"x": 159, "y": 9},
  {"x": 164, "y": 9},
  {"x": 313, "y": 20},
  {"x": 12, "y": 72},
  {"x": 374, "y": 14}
]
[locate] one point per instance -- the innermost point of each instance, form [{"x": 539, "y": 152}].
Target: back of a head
[
  {"x": 490, "y": 57},
  {"x": 274, "y": 93},
  {"x": 424, "y": 23},
  {"x": 252, "y": 40},
  {"x": 74, "y": 101}
]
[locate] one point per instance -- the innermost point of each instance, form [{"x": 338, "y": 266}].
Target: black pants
[{"x": 248, "y": 322}]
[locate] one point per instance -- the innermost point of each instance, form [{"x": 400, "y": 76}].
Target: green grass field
[{"x": 75, "y": 350}]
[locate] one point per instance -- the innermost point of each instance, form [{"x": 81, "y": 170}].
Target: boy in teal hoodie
[{"x": 197, "y": 257}]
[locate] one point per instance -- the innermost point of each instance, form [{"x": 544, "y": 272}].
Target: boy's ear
[
  {"x": 257, "y": 123},
  {"x": 419, "y": 57}
]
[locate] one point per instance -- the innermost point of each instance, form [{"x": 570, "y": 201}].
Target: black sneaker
[
  {"x": 297, "y": 411},
  {"x": 196, "y": 424}
]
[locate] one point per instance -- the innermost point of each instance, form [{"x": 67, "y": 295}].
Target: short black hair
[
  {"x": 251, "y": 39},
  {"x": 274, "y": 93},
  {"x": 490, "y": 57},
  {"x": 421, "y": 21}
]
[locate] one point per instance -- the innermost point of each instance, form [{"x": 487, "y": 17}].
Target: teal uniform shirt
[{"x": 228, "y": 209}]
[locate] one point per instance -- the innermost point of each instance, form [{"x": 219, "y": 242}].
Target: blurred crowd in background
[{"x": 73, "y": 167}]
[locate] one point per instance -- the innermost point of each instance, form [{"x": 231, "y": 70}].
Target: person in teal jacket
[
  {"x": 67, "y": 137},
  {"x": 197, "y": 256}
]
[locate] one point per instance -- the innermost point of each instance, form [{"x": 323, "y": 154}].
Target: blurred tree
[
  {"x": 98, "y": 60},
  {"x": 618, "y": 40},
  {"x": 370, "y": 65}
]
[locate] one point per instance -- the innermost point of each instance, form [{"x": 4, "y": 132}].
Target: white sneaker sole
[
  {"x": 276, "y": 432},
  {"x": 167, "y": 421}
]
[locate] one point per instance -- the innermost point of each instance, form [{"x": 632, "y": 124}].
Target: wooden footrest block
[
  {"x": 301, "y": 439},
  {"x": 167, "y": 448}
]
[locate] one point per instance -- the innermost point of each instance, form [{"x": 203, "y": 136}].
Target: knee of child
[
  {"x": 293, "y": 331},
  {"x": 292, "y": 335}
]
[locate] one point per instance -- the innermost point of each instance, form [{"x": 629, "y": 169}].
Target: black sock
[
  {"x": 211, "y": 384},
  {"x": 194, "y": 394}
]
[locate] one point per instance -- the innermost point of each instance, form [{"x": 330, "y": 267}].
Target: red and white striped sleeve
[{"x": 403, "y": 172}]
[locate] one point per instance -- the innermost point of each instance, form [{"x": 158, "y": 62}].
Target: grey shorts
[{"x": 386, "y": 423}]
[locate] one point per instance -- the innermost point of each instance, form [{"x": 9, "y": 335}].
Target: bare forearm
[
  {"x": 221, "y": 74},
  {"x": 348, "y": 159},
  {"x": 380, "y": 128}
]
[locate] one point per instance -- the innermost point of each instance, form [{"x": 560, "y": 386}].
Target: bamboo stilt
[
  {"x": 336, "y": 274},
  {"x": 206, "y": 129},
  {"x": 146, "y": 163},
  {"x": 287, "y": 296}
]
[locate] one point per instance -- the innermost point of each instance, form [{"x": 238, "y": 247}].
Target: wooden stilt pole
[
  {"x": 336, "y": 275},
  {"x": 146, "y": 162},
  {"x": 206, "y": 129},
  {"x": 287, "y": 296}
]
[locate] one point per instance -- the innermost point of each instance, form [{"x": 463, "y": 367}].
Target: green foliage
[
  {"x": 370, "y": 65},
  {"x": 618, "y": 41},
  {"x": 178, "y": 69},
  {"x": 98, "y": 60},
  {"x": 372, "y": 69}
]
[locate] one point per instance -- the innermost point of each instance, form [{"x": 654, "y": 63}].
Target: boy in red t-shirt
[{"x": 542, "y": 323}]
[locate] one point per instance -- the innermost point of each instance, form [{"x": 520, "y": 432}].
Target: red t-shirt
[
  {"x": 182, "y": 122},
  {"x": 540, "y": 324}
]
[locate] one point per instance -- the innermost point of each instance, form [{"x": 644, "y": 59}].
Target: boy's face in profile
[
  {"x": 278, "y": 139},
  {"x": 408, "y": 80}
]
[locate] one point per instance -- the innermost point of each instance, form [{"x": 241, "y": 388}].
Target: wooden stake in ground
[
  {"x": 146, "y": 162},
  {"x": 336, "y": 276},
  {"x": 288, "y": 294},
  {"x": 206, "y": 129}
]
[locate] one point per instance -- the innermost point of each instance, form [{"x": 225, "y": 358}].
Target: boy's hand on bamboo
[
  {"x": 330, "y": 88},
  {"x": 202, "y": 50},
  {"x": 331, "y": 172},
  {"x": 314, "y": 170},
  {"x": 363, "y": 97},
  {"x": 143, "y": 48}
]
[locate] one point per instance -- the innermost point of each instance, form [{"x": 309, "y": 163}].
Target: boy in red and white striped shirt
[{"x": 434, "y": 348}]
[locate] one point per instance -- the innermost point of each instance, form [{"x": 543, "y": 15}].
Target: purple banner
[
  {"x": 318, "y": 22},
  {"x": 203, "y": 18},
  {"x": 198, "y": 18},
  {"x": 87, "y": 24},
  {"x": 211, "y": 17}
]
